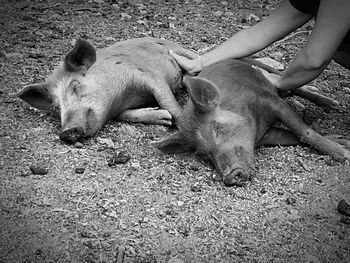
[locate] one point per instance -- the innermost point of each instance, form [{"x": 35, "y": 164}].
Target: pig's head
[
  {"x": 220, "y": 135},
  {"x": 71, "y": 90}
]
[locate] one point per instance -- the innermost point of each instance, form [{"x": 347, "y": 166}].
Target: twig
[
  {"x": 67, "y": 151},
  {"x": 301, "y": 162},
  {"x": 203, "y": 50}
]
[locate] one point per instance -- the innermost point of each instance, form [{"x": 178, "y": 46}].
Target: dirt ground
[{"x": 158, "y": 208}]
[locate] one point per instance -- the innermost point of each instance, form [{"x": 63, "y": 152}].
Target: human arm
[
  {"x": 332, "y": 24},
  {"x": 250, "y": 40}
]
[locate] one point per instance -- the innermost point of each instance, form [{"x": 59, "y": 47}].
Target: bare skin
[{"x": 323, "y": 45}]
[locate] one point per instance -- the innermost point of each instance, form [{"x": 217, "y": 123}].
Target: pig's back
[
  {"x": 149, "y": 55},
  {"x": 237, "y": 77}
]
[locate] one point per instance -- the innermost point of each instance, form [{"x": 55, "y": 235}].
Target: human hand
[
  {"x": 191, "y": 66},
  {"x": 273, "y": 78}
]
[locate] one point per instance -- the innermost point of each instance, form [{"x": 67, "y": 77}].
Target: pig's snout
[
  {"x": 236, "y": 178},
  {"x": 72, "y": 135}
]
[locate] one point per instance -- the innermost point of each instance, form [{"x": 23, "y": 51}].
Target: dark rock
[
  {"x": 290, "y": 201},
  {"x": 121, "y": 157},
  {"x": 36, "y": 55},
  {"x": 196, "y": 187},
  {"x": 38, "y": 169},
  {"x": 343, "y": 207},
  {"x": 79, "y": 170},
  {"x": 263, "y": 191},
  {"x": 72, "y": 136}
]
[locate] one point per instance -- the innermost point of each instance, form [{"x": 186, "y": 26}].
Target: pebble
[
  {"x": 218, "y": 13},
  {"x": 79, "y": 170},
  {"x": 78, "y": 145},
  {"x": 263, "y": 191},
  {"x": 38, "y": 169},
  {"x": 343, "y": 207},
  {"x": 120, "y": 157},
  {"x": 115, "y": 6},
  {"x": 290, "y": 201},
  {"x": 196, "y": 187},
  {"x": 125, "y": 16}
]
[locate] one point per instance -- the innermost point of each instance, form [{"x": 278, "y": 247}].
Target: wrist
[{"x": 197, "y": 65}]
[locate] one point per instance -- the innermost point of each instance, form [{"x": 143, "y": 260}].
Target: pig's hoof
[
  {"x": 236, "y": 178},
  {"x": 73, "y": 135},
  {"x": 323, "y": 101},
  {"x": 147, "y": 115},
  {"x": 339, "y": 139}
]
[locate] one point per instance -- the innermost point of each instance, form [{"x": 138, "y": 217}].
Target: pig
[
  {"x": 92, "y": 86},
  {"x": 231, "y": 110}
]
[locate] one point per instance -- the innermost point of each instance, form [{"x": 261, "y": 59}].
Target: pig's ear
[
  {"x": 36, "y": 95},
  {"x": 81, "y": 57},
  {"x": 204, "y": 94},
  {"x": 174, "y": 143}
]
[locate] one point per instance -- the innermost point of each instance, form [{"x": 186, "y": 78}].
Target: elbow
[{"x": 313, "y": 62}]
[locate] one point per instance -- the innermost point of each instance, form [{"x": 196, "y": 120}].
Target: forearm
[
  {"x": 255, "y": 38},
  {"x": 242, "y": 44},
  {"x": 300, "y": 71}
]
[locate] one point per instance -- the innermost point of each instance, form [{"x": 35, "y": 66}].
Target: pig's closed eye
[
  {"x": 220, "y": 128},
  {"x": 75, "y": 86}
]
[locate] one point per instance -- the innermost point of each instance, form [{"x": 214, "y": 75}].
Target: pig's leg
[
  {"x": 147, "y": 115},
  {"x": 311, "y": 93},
  {"x": 163, "y": 95},
  {"x": 292, "y": 120},
  {"x": 278, "y": 136}
]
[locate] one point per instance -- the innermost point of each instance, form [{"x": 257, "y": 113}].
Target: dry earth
[{"x": 158, "y": 208}]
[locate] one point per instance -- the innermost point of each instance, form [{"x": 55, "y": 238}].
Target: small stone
[
  {"x": 196, "y": 187},
  {"x": 218, "y": 13},
  {"x": 136, "y": 166},
  {"x": 194, "y": 167},
  {"x": 24, "y": 173},
  {"x": 263, "y": 191},
  {"x": 115, "y": 6},
  {"x": 343, "y": 207},
  {"x": 14, "y": 55},
  {"x": 290, "y": 201},
  {"x": 121, "y": 157},
  {"x": 216, "y": 177},
  {"x": 253, "y": 18},
  {"x": 36, "y": 55},
  {"x": 78, "y": 145},
  {"x": 125, "y": 16},
  {"x": 38, "y": 169},
  {"x": 107, "y": 234},
  {"x": 79, "y": 170},
  {"x": 318, "y": 179}
]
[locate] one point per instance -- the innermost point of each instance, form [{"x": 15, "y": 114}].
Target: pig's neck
[{"x": 125, "y": 98}]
